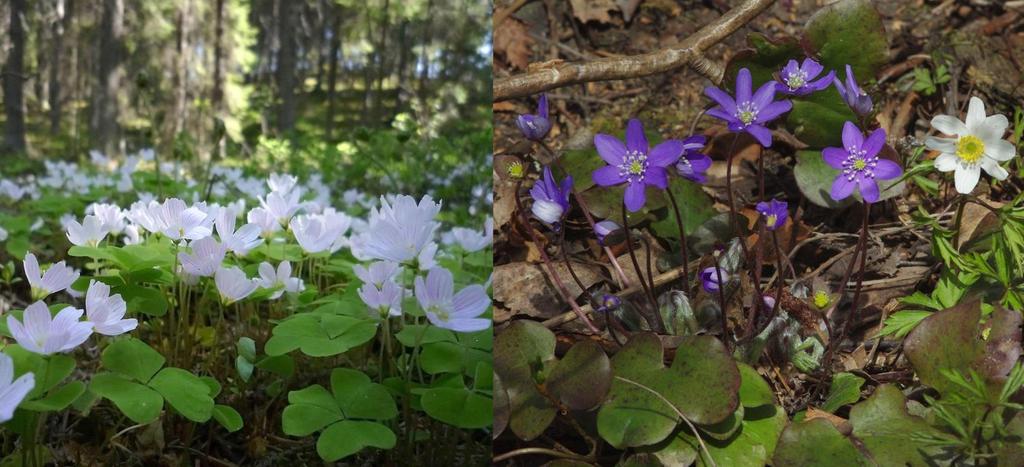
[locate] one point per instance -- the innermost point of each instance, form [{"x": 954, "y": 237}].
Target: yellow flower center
[
  {"x": 636, "y": 167},
  {"x": 859, "y": 164},
  {"x": 516, "y": 170},
  {"x": 821, "y": 299},
  {"x": 771, "y": 220},
  {"x": 970, "y": 148},
  {"x": 746, "y": 117}
]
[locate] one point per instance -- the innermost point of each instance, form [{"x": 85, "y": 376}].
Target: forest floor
[{"x": 980, "y": 44}]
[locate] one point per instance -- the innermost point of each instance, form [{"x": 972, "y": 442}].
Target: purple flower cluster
[
  {"x": 858, "y": 100},
  {"x": 797, "y": 79},
  {"x": 550, "y": 200},
  {"x": 748, "y": 112},
  {"x": 536, "y": 126},
  {"x": 859, "y": 164},
  {"x": 635, "y": 163},
  {"x": 774, "y": 213}
]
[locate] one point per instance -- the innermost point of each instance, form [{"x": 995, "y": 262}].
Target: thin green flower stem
[
  {"x": 961, "y": 204},
  {"x": 682, "y": 243},
  {"x": 679, "y": 413},
  {"x": 862, "y": 241},
  {"x": 590, "y": 219},
  {"x": 559, "y": 285},
  {"x": 656, "y": 322}
]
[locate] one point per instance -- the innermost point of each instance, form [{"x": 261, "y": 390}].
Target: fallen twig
[{"x": 690, "y": 52}]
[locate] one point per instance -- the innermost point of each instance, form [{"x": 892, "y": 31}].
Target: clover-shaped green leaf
[{"x": 338, "y": 414}]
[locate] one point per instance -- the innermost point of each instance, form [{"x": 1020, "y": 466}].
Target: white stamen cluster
[
  {"x": 857, "y": 163},
  {"x": 634, "y": 166},
  {"x": 746, "y": 112},
  {"x": 795, "y": 80}
]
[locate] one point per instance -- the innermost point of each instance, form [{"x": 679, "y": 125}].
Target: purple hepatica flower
[
  {"x": 774, "y": 213},
  {"x": 796, "y": 80},
  {"x": 550, "y": 201},
  {"x": 748, "y": 113},
  {"x": 855, "y": 97},
  {"x": 609, "y": 302},
  {"x": 694, "y": 165},
  {"x": 635, "y": 163},
  {"x": 860, "y": 164},
  {"x": 536, "y": 126},
  {"x": 604, "y": 228},
  {"x": 709, "y": 279}
]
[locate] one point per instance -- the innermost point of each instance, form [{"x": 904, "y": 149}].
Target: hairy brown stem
[
  {"x": 682, "y": 243},
  {"x": 862, "y": 241},
  {"x": 639, "y": 272},
  {"x": 689, "y": 52},
  {"x": 562, "y": 290},
  {"x": 590, "y": 219}
]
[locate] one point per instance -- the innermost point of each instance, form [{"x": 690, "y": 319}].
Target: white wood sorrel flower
[
  {"x": 106, "y": 312},
  {"x": 12, "y": 391},
  {"x": 41, "y": 334},
  {"x": 58, "y": 277},
  {"x": 449, "y": 310},
  {"x": 978, "y": 145}
]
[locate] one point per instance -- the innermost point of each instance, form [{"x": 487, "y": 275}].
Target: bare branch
[{"x": 690, "y": 52}]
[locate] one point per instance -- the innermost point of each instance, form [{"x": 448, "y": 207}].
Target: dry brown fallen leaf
[
  {"x": 593, "y": 10},
  {"x": 514, "y": 43},
  {"x": 840, "y": 423},
  {"x": 523, "y": 289}
]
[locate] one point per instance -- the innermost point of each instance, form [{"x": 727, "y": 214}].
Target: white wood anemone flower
[{"x": 978, "y": 146}]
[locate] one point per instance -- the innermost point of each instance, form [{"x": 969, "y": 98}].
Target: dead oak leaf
[
  {"x": 593, "y": 10},
  {"x": 513, "y": 43}
]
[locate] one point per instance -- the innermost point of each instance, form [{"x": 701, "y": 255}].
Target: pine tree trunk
[
  {"x": 105, "y": 110},
  {"x": 332, "y": 71},
  {"x": 14, "y": 81},
  {"x": 218, "y": 56},
  {"x": 61, "y": 24},
  {"x": 286, "y": 58}
]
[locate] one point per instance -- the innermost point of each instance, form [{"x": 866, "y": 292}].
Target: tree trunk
[
  {"x": 103, "y": 124},
  {"x": 218, "y": 54},
  {"x": 425, "y": 59},
  {"x": 378, "y": 102},
  {"x": 332, "y": 71},
  {"x": 14, "y": 80},
  {"x": 403, "y": 62},
  {"x": 181, "y": 74},
  {"x": 286, "y": 58},
  {"x": 61, "y": 24}
]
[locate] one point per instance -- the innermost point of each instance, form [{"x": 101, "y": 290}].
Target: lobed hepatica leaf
[
  {"x": 750, "y": 443},
  {"x": 501, "y": 407},
  {"x": 953, "y": 339},
  {"x": 764, "y": 58},
  {"x": 521, "y": 352},
  {"x": 888, "y": 432},
  {"x": 848, "y": 32},
  {"x": 815, "y": 442},
  {"x": 818, "y": 119},
  {"x": 702, "y": 383},
  {"x": 582, "y": 378}
]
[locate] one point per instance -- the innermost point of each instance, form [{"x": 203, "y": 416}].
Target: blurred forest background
[{"x": 336, "y": 86}]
